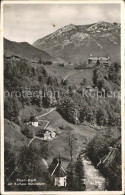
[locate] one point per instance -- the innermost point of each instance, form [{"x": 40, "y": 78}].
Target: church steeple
[{"x": 59, "y": 159}]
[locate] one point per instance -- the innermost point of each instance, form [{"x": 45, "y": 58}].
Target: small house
[
  {"x": 46, "y": 134},
  {"x": 13, "y": 57},
  {"x": 53, "y": 134},
  {"x": 93, "y": 60},
  {"x": 58, "y": 173},
  {"x": 8, "y": 57},
  {"x": 33, "y": 121}
]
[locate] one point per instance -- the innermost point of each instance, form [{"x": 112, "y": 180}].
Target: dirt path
[
  {"x": 47, "y": 123},
  {"x": 47, "y": 113},
  {"x": 71, "y": 75}
]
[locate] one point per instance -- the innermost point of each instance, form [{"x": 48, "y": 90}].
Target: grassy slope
[
  {"x": 57, "y": 123},
  {"x": 62, "y": 127},
  {"x": 13, "y": 133},
  {"x": 77, "y": 78},
  {"x": 51, "y": 148},
  {"x": 14, "y": 138},
  {"x": 61, "y": 72}
]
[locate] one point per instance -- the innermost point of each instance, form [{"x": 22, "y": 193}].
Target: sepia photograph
[{"x": 62, "y": 96}]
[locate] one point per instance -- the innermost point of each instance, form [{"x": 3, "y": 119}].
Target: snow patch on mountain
[{"x": 68, "y": 41}]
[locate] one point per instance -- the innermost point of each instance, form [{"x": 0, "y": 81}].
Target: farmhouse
[
  {"x": 8, "y": 57},
  {"x": 62, "y": 62},
  {"x": 13, "y": 57},
  {"x": 53, "y": 134},
  {"x": 57, "y": 172},
  {"x": 46, "y": 134}
]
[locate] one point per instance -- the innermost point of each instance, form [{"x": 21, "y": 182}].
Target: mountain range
[
  {"x": 24, "y": 50},
  {"x": 75, "y": 42}
]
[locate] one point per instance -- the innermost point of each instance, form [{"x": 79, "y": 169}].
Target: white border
[
  {"x": 123, "y": 93},
  {"x": 121, "y": 2}
]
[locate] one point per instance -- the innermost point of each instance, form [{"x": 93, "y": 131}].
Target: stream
[{"x": 93, "y": 179}]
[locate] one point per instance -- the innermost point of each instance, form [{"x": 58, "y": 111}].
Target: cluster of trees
[
  {"x": 75, "y": 176},
  {"x": 27, "y": 166},
  {"x": 75, "y": 169},
  {"x": 20, "y": 76},
  {"x": 68, "y": 109},
  {"x": 109, "y": 79},
  {"x": 101, "y": 112},
  {"x": 12, "y": 106},
  {"x": 26, "y": 85}
]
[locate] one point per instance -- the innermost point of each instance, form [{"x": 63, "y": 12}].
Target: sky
[{"x": 30, "y": 22}]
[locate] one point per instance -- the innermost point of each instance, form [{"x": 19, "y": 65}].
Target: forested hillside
[
  {"x": 69, "y": 100},
  {"x": 107, "y": 157},
  {"x": 99, "y": 110}
]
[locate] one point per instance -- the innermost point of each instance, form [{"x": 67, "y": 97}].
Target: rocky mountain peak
[{"x": 75, "y": 42}]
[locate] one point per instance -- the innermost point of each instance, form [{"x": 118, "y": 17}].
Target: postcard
[{"x": 62, "y": 78}]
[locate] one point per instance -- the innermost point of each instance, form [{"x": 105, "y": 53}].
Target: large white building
[{"x": 99, "y": 60}]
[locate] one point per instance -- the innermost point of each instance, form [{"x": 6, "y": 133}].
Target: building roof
[
  {"x": 103, "y": 58},
  {"x": 53, "y": 165},
  {"x": 33, "y": 119},
  {"x": 56, "y": 168},
  {"x": 11, "y": 56},
  {"x": 15, "y": 56},
  {"x": 8, "y": 57},
  {"x": 99, "y": 58},
  {"x": 59, "y": 171},
  {"x": 41, "y": 132},
  {"x": 94, "y": 58},
  {"x": 39, "y": 135}
]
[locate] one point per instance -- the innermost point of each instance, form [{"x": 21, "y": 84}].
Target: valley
[{"x": 49, "y": 121}]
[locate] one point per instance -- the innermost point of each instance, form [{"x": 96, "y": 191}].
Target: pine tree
[{"x": 79, "y": 170}]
